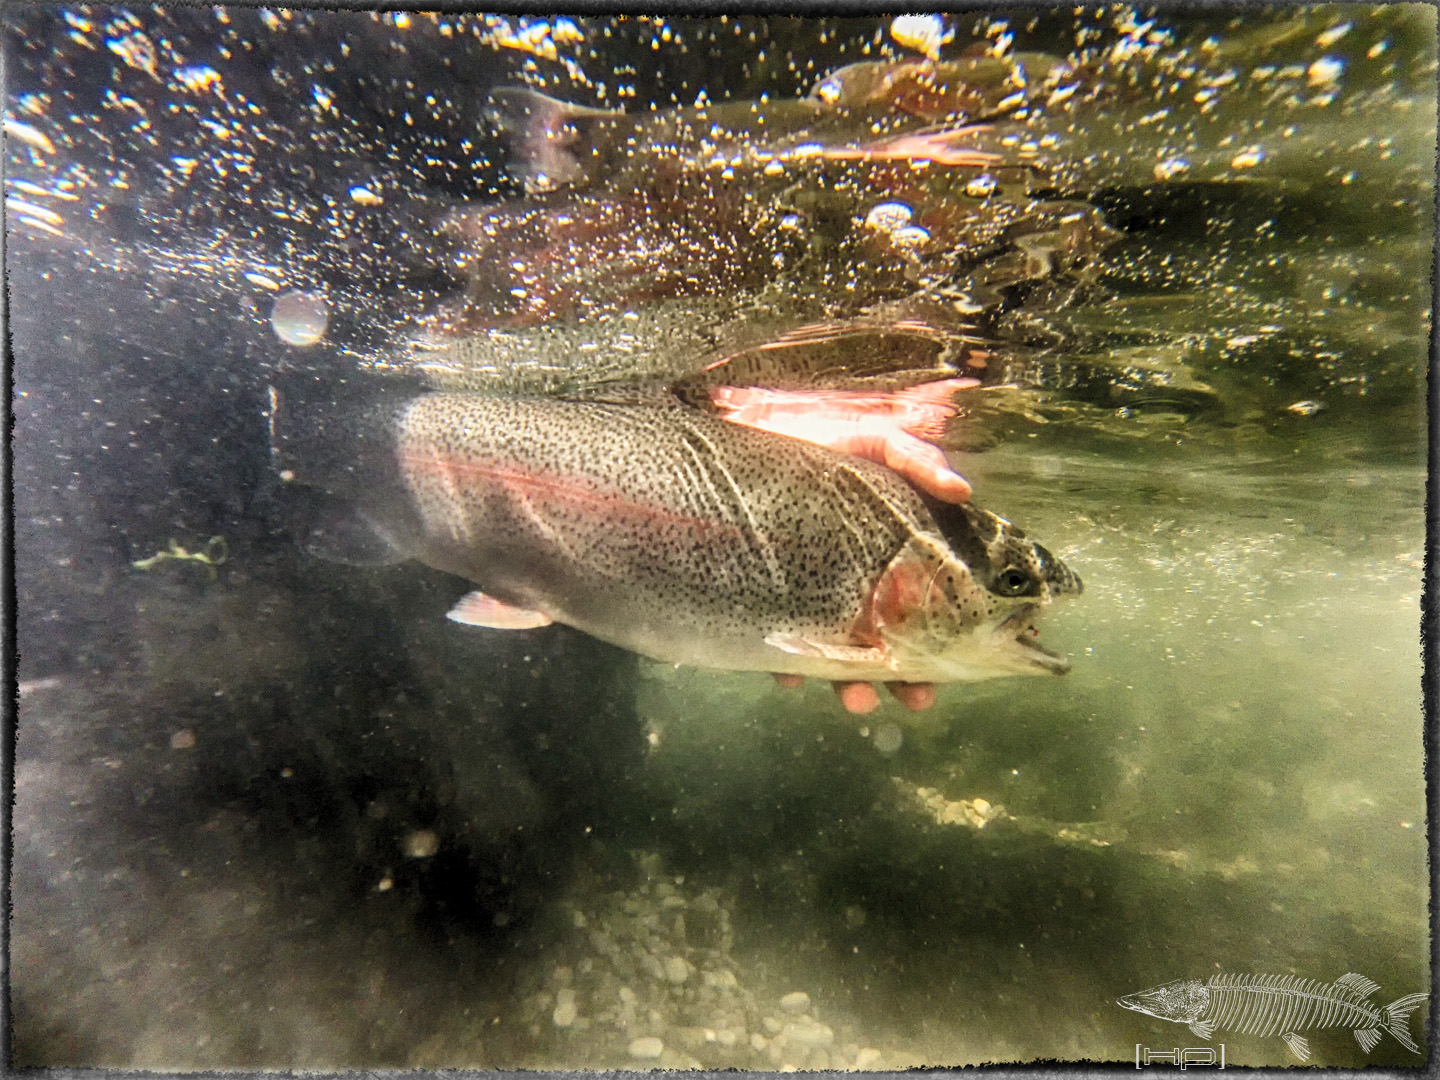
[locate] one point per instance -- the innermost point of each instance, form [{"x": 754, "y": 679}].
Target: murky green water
[
  {"x": 277, "y": 812},
  {"x": 1226, "y": 781}
]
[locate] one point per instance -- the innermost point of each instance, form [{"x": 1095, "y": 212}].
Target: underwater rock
[
  {"x": 796, "y": 1002},
  {"x": 566, "y": 1009},
  {"x": 867, "y": 1057},
  {"x": 646, "y": 1047},
  {"x": 808, "y": 1033},
  {"x": 677, "y": 970}
]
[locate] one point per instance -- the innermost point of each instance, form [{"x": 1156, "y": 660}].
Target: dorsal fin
[
  {"x": 621, "y": 393},
  {"x": 1356, "y": 985}
]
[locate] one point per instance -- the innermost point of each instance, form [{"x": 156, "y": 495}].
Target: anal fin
[
  {"x": 1367, "y": 1038},
  {"x": 478, "y": 609},
  {"x": 1298, "y": 1045}
]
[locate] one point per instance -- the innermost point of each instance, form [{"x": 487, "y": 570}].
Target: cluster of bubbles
[{"x": 322, "y": 153}]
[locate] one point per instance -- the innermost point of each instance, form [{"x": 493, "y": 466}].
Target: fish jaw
[{"x": 1016, "y": 635}]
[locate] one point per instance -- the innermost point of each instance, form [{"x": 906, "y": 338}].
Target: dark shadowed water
[{"x": 274, "y": 811}]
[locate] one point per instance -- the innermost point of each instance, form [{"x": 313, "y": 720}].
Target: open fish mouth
[{"x": 1020, "y": 634}]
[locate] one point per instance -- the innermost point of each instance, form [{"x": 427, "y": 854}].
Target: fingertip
[
  {"x": 953, "y": 488},
  {"x": 858, "y": 697},
  {"x": 915, "y": 696},
  {"x": 789, "y": 682}
]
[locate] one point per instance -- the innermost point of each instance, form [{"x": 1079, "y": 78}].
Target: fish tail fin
[
  {"x": 542, "y": 133},
  {"x": 322, "y": 429},
  {"x": 332, "y": 447},
  {"x": 1396, "y": 1018}
]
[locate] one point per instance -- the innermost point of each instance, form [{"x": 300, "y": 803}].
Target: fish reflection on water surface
[
  {"x": 872, "y": 110},
  {"x": 655, "y": 526}
]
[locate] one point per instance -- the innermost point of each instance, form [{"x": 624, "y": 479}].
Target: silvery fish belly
[{"x": 662, "y": 529}]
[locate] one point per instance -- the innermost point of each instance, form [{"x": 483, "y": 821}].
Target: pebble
[
  {"x": 646, "y": 1047},
  {"x": 796, "y": 1002},
  {"x": 421, "y": 844},
  {"x": 677, "y": 970},
  {"x": 721, "y": 980},
  {"x": 566, "y": 1009},
  {"x": 808, "y": 1033},
  {"x": 184, "y": 739},
  {"x": 866, "y": 1057},
  {"x": 758, "y": 1042},
  {"x": 771, "y": 1025}
]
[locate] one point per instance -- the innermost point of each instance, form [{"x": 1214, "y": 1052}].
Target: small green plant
[{"x": 212, "y": 555}]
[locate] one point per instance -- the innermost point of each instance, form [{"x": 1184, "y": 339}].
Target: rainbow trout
[{"x": 660, "y": 528}]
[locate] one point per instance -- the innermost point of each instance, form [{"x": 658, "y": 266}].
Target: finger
[
  {"x": 924, "y": 465},
  {"x": 915, "y": 696},
  {"x": 858, "y": 697},
  {"x": 789, "y": 682}
]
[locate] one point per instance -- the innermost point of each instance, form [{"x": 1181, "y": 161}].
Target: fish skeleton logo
[{"x": 1281, "y": 1005}]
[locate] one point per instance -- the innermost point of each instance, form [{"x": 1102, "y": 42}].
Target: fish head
[
  {"x": 964, "y": 604},
  {"x": 1182, "y": 1001}
]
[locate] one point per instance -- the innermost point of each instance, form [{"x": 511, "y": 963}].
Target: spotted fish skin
[{"x": 660, "y": 528}]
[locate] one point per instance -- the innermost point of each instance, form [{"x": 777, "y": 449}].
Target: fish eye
[{"x": 1012, "y": 581}]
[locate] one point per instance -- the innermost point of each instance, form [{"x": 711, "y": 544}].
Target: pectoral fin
[
  {"x": 1203, "y": 1028},
  {"x": 1297, "y": 1044},
  {"x": 850, "y": 654},
  {"x": 477, "y": 609}
]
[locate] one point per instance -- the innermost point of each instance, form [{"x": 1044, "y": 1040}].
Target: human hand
[
  {"x": 863, "y": 697},
  {"x": 889, "y": 429}
]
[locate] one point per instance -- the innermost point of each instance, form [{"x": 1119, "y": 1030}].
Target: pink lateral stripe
[{"x": 560, "y": 490}]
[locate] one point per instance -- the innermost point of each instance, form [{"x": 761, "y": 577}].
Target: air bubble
[
  {"x": 981, "y": 187},
  {"x": 923, "y": 33},
  {"x": 909, "y": 237},
  {"x": 888, "y": 216},
  {"x": 888, "y": 738},
  {"x": 300, "y": 318}
]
